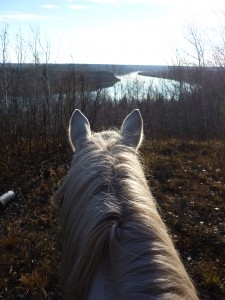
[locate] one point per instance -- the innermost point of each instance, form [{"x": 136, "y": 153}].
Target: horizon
[
  {"x": 111, "y": 32},
  {"x": 97, "y": 64}
]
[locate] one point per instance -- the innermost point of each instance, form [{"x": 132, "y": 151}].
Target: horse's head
[
  {"x": 131, "y": 131},
  {"x": 115, "y": 243},
  {"x": 130, "y": 135}
]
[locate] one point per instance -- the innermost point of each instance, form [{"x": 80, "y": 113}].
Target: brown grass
[{"x": 186, "y": 178}]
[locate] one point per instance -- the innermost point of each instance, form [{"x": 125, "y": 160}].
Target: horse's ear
[
  {"x": 132, "y": 129},
  {"x": 79, "y": 128}
]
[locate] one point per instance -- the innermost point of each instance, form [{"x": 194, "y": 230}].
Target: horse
[{"x": 115, "y": 244}]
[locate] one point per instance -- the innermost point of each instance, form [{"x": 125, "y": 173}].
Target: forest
[{"x": 183, "y": 154}]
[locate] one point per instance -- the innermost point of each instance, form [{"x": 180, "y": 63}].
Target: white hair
[{"x": 115, "y": 244}]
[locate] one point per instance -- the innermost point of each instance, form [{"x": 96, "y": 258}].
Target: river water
[{"x": 137, "y": 86}]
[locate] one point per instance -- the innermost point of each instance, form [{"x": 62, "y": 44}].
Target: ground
[{"x": 187, "y": 179}]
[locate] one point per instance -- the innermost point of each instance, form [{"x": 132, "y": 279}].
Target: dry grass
[{"x": 187, "y": 179}]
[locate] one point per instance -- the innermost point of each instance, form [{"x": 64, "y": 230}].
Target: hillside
[{"x": 186, "y": 178}]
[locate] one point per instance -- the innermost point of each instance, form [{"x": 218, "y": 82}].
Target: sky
[{"x": 105, "y": 31}]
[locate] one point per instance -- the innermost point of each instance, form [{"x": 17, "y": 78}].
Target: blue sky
[{"x": 107, "y": 31}]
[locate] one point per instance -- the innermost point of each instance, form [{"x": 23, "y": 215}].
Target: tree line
[{"x": 35, "y": 109}]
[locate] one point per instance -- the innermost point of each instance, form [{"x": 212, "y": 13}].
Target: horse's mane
[{"x": 110, "y": 224}]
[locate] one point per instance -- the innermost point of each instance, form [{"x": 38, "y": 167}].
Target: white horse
[{"x": 115, "y": 244}]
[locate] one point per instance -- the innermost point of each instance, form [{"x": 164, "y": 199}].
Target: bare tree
[{"x": 4, "y": 60}]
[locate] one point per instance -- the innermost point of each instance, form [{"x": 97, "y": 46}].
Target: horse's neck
[
  {"x": 97, "y": 290},
  {"x": 102, "y": 286}
]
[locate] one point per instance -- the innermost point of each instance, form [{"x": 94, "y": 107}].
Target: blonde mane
[{"x": 115, "y": 244}]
